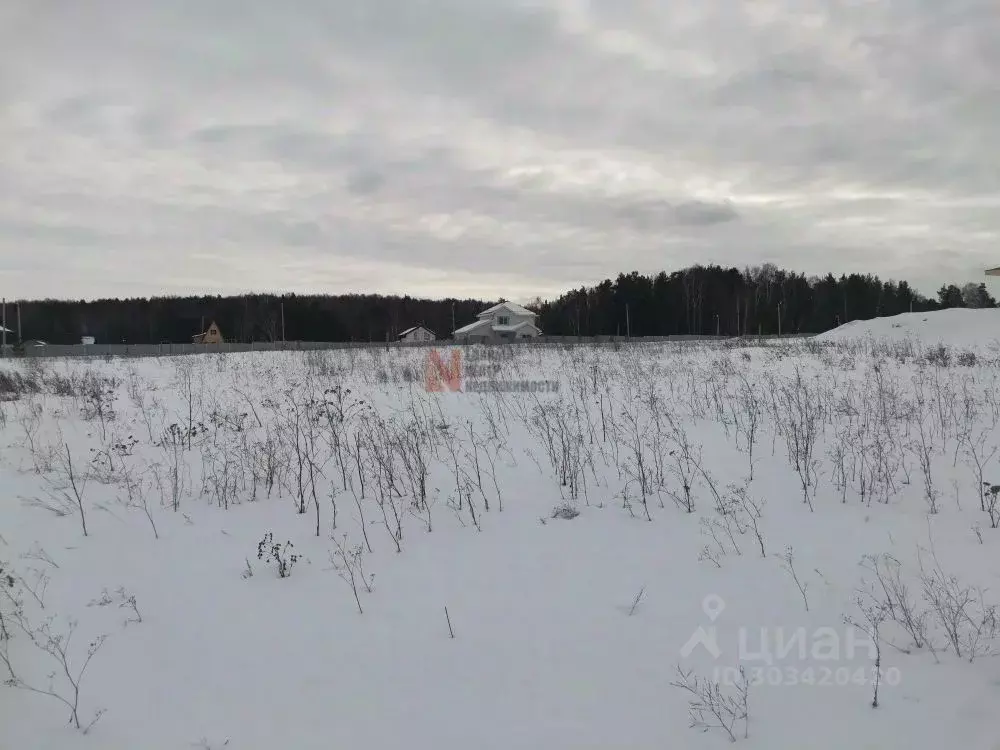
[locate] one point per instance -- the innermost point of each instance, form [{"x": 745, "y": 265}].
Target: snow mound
[{"x": 957, "y": 327}]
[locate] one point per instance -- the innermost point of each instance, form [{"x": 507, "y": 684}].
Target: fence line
[{"x": 173, "y": 350}]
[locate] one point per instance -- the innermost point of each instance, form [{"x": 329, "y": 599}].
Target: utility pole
[
  {"x": 282, "y": 321},
  {"x": 3, "y": 353},
  {"x": 628, "y": 324},
  {"x": 19, "y": 339},
  {"x": 453, "y": 317},
  {"x": 779, "y": 318},
  {"x": 718, "y": 326}
]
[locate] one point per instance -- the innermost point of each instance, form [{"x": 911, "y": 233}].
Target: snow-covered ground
[
  {"x": 756, "y": 507},
  {"x": 957, "y": 327}
]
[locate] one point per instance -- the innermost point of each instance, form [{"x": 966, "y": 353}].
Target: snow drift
[{"x": 957, "y": 327}]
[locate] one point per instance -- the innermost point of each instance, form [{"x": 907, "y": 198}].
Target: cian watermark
[
  {"x": 812, "y": 676},
  {"x": 452, "y": 371},
  {"x": 790, "y": 655}
]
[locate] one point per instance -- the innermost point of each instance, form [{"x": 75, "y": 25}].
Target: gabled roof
[
  {"x": 512, "y": 307},
  {"x": 414, "y": 328},
  {"x": 993, "y": 271},
  {"x": 473, "y": 326}
]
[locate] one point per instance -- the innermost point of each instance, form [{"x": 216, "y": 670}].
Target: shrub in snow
[
  {"x": 565, "y": 511},
  {"x": 69, "y": 666},
  {"x": 280, "y": 555},
  {"x": 939, "y": 356},
  {"x": 66, "y": 490},
  {"x": 788, "y": 565},
  {"x": 711, "y": 707},
  {"x": 991, "y": 504},
  {"x": 99, "y": 402},
  {"x": 126, "y": 600},
  {"x": 941, "y": 606},
  {"x": 967, "y": 359},
  {"x": 6, "y": 584},
  {"x": 873, "y": 614},
  {"x": 970, "y": 624},
  {"x": 348, "y": 561},
  {"x": 896, "y": 599},
  {"x": 13, "y": 385}
]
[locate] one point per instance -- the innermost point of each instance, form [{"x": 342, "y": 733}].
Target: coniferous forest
[{"x": 701, "y": 300}]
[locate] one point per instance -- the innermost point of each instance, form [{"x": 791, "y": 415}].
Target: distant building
[
  {"x": 503, "y": 322},
  {"x": 417, "y": 333},
  {"x": 993, "y": 271},
  {"x": 211, "y": 336},
  {"x": 86, "y": 340}
]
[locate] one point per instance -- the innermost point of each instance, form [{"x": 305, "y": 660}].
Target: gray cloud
[{"x": 491, "y": 147}]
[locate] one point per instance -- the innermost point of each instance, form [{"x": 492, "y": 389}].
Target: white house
[
  {"x": 503, "y": 322},
  {"x": 417, "y": 333}
]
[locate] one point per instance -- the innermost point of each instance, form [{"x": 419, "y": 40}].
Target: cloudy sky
[{"x": 491, "y": 147}]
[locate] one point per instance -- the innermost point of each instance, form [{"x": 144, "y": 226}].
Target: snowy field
[{"x": 311, "y": 551}]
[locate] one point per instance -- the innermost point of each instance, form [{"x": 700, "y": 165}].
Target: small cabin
[
  {"x": 212, "y": 335},
  {"x": 417, "y": 333}
]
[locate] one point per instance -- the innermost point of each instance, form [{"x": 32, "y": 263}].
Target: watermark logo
[
  {"x": 790, "y": 656},
  {"x": 707, "y": 638},
  {"x": 457, "y": 372},
  {"x": 443, "y": 376}
]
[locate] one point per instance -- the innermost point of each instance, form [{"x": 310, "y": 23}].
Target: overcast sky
[{"x": 491, "y": 147}]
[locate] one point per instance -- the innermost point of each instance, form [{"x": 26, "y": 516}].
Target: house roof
[
  {"x": 208, "y": 330},
  {"x": 993, "y": 271},
  {"x": 473, "y": 326},
  {"x": 487, "y": 325},
  {"x": 512, "y": 307},
  {"x": 414, "y": 328},
  {"x": 519, "y": 326}
]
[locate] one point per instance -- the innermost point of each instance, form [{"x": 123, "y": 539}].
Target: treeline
[
  {"x": 706, "y": 300},
  {"x": 252, "y": 317},
  {"x": 698, "y": 300}
]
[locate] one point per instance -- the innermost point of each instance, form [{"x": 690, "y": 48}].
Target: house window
[{"x": 503, "y": 320}]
